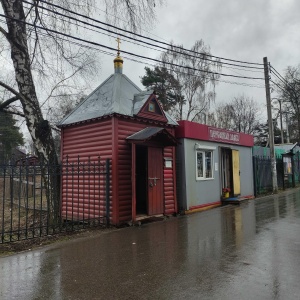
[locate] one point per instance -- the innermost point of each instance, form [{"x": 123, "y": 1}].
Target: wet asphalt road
[{"x": 251, "y": 251}]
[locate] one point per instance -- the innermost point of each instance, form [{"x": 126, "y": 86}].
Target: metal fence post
[
  {"x": 283, "y": 179},
  {"x": 254, "y": 175},
  {"x": 107, "y": 186},
  {"x": 293, "y": 170}
]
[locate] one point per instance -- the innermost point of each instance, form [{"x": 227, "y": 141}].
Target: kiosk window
[{"x": 204, "y": 160}]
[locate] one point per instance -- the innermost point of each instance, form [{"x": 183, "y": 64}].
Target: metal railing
[
  {"x": 263, "y": 176},
  {"x": 33, "y": 197}
]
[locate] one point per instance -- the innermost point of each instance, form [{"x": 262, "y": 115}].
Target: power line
[
  {"x": 129, "y": 53},
  {"x": 109, "y": 35},
  {"x": 149, "y": 64},
  {"x": 272, "y": 68},
  {"x": 123, "y": 20},
  {"x": 284, "y": 90},
  {"x": 278, "y": 75},
  {"x": 283, "y": 80},
  {"x": 152, "y": 65},
  {"x": 289, "y": 87},
  {"x": 285, "y": 83},
  {"x": 238, "y": 67},
  {"x": 139, "y": 35},
  {"x": 205, "y": 55}
]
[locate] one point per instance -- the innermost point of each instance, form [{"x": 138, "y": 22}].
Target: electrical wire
[
  {"x": 123, "y": 20},
  {"x": 241, "y": 68},
  {"x": 152, "y": 65},
  {"x": 279, "y": 77},
  {"x": 129, "y": 53},
  {"x": 205, "y": 55},
  {"x": 149, "y": 64},
  {"x": 272, "y": 68},
  {"x": 130, "y": 32},
  {"x": 283, "y": 80},
  {"x": 284, "y": 90}
]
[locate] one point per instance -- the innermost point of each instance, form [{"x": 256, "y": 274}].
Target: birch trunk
[{"x": 39, "y": 128}]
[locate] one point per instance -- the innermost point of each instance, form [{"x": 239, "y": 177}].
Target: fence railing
[
  {"x": 263, "y": 177},
  {"x": 34, "y": 197}
]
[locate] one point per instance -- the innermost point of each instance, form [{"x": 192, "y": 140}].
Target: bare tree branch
[
  {"x": 58, "y": 84},
  {"x": 12, "y": 90},
  {"x": 8, "y": 102},
  {"x": 14, "y": 113},
  {"x": 3, "y": 31}
]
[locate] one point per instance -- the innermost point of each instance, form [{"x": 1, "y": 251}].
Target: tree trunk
[
  {"x": 38, "y": 128},
  {"x": 298, "y": 123}
]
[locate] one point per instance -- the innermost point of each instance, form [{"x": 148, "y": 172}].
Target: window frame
[
  {"x": 204, "y": 150},
  {"x": 151, "y": 107}
]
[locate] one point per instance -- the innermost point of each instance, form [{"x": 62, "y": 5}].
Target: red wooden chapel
[{"x": 118, "y": 121}]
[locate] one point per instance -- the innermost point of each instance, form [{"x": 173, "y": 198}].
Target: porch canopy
[{"x": 153, "y": 134}]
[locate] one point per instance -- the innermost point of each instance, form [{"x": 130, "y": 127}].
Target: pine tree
[
  {"x": 165, "y": 86},
  {"x": 10, "y": 136}
]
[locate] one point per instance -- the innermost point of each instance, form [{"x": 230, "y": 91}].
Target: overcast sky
[{"x": 237, "y": 29}]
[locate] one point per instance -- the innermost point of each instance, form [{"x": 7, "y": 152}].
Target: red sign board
[
  {"x": 191, "y": 130},
  {"x": 221, "y": 135}
]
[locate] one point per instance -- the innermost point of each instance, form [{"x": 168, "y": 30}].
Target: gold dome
[{"x": 118, "y": 61}]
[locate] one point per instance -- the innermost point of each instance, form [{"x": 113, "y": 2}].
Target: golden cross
[{"x": 119, "y": 42}]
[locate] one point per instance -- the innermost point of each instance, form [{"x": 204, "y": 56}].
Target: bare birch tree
[
  {"x": 289, "y": 94},
  {"x": 40, "y": 55},
  {"x": 241, "y": 114},
  {"x": 194, "y": 71}
]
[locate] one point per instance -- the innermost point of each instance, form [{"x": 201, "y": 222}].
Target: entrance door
[
  {"x": 155, "y": 181},
  {"x": 141, "y": 175},
  {"x": 236, "y": 172},
  {"x": 230, "y": 168},
  {"x": 226, "y": 168}
]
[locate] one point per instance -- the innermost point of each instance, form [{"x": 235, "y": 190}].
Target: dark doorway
[
  {"x": 141, "y": 175},
  {"x": 226, "y": 168}
]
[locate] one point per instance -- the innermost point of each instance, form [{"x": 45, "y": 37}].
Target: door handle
[{"x": 154, "y": 180}]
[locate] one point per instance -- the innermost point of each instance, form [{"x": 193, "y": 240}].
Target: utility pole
[
  {"x": 281, "y": 126},
  {"x": 270, "y": 125},
  {"x": 287, "y": 128}
]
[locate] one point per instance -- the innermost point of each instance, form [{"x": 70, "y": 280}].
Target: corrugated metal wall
[{"x": 86, "y": 142}]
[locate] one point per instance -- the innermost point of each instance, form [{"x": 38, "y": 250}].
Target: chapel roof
[{"x": 117, "y": 94}]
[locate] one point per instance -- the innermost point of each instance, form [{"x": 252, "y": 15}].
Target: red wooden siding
[
  {"x": 107, "y": 139},
  {"x": 126, "y": 128},
  {"x": 158, "y": 115},
  {"x": 81, "y": 196},
  {"x": 88, "y": 140},
  {"x": 170, "y": 182}
]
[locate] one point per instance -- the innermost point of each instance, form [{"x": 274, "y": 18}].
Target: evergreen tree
[
  {"x": 165, "y": 86},
  {"x": 10, "y": 136}
]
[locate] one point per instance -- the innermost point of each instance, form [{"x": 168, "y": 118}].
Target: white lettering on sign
[{"x": 224, "y": 136}]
